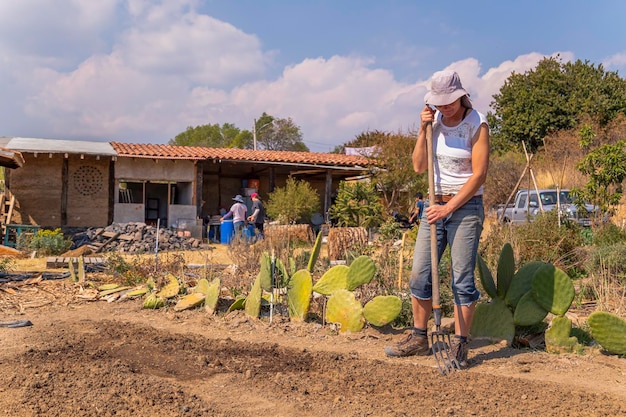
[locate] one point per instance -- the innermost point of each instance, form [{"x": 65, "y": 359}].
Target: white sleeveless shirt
[{"x": 452, "y": 148}]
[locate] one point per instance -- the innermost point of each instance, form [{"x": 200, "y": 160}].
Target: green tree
[
  {"x": 395, "y": 177},
  {"x": 357, "y": 204},
  {"x": 214, "y": 136},
  {"x": 554, "y": 96},
  {"x": 275, "y": 134},
  {"x": 606, "y": 168},
  {"x": 296, "y": 201}
]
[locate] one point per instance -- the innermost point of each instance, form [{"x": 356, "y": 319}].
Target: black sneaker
[
  {"x": 459, "y": 352},
  {"x": 409, "y": 346}
]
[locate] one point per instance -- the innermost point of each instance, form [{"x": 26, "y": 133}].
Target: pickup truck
[{"x": 523, "y": 210}]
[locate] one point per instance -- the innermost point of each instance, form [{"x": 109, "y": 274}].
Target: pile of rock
[{"x": 136, "y": 238}]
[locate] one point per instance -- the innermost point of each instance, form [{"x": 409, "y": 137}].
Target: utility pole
[{"x": 254, "y": 130}]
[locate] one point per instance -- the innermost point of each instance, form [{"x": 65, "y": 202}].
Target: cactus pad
[
  {"x": 299, "y": 295},
  {"x": 212, "y": 296},
  {"x": 382, "y": 309},
  {"x": 344, "y": 309},
  {"x": 336, "y": 278},
  {"x": 137, "y": 292},
  {"x": 486, "y": 279},
  {"x": 528, "y": 312},
  {"x": 506, "y": 269},
  {"x": 609, "y": 331},
  {"x": 238, "y": 304},
  {"x": 361, "y": 271},
  {"x": 266, "y": 272},
  {"x": 153, "y": 301},
  {"x": 253, "y": 301},
  {"x": 112, "y": 291},
  {"x": 493, "y": 320},
  {"x": 552, "y": 289},
  {"x": 316, "y": 252},
  {"x": 189, "y": 301},
  {"x": 171, "y": 289},
  {"x": 558, "y": 339},
  {"x": 521, "y": 282}
]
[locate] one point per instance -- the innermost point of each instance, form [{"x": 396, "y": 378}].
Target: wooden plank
[
  {"x": 61, "y": 262},
  {"x": 111, "y": 239}
]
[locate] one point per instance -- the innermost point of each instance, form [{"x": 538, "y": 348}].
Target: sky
[{"x": 142, "y": 71}]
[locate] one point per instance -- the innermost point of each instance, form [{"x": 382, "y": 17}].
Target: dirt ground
[{"x": 88, "y": 358}]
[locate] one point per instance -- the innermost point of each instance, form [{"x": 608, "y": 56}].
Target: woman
[{"x": 461, "y": 159}]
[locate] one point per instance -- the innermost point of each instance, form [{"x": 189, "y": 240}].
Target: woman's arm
[{"x": 420, "y": 154}]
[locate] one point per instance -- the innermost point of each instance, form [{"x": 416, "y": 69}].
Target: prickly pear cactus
[
  {"x": 171, "y": 289},
  {"x": 609, "y": 331},
  {"x": 528, "y": 312},
  {"x": 189, "y": 301},
  {"x": 552, "y": 289},
  {"x": 493, "y": 319},
  {"x": 486, "y": 279},
  {"x": 344, "y": 309},
  {"x": 361, "y": 271},
  {"x": 382, "y": 309},
  {"x": 558, "y": 339},
  {"x": 212, "y": 296},
  {"x": 299, "y": 295},
  {"x": 253, "y": 301},
  {"x": 521, "y": 282},
  {"x": 316, "y": 252},
  {"x": 141, "y": 290},
  {"x": 266, "y": 272},
  {"x": 238, "y": 304},
  {"x": 153, "y": 301},
  {"x": 336, "y": 278},
  {"x": 506, "y": 269}
]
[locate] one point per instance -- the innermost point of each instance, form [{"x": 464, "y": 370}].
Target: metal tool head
[{"x": 446, "y": 362}]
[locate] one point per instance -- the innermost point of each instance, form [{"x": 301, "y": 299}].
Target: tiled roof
[{"x": 234, "y": 154}]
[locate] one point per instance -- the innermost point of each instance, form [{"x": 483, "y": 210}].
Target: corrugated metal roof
[
  {"x": 60, "y": 146},
  {"x": 234, "y": 154}
]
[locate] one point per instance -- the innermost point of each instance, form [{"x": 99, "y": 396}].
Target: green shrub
[
  {"x": 6, "y": 264},
  {"x": 357, "y": 205},
  {"x": 45, "y": 242},
  {"x": 295, "y": 202},
  {"x": 389, "y": 230},
  {"x": 608, "y": 234},
  {"x": 542, "y": 239}
]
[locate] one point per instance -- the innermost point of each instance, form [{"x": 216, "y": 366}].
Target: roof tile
[{"x": 235, "y": 154}]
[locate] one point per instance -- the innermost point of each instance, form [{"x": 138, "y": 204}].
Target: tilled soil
[{"x": 88, "y": 358}]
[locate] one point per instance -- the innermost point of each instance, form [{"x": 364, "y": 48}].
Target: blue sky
[{"x": 142, "y": 71}]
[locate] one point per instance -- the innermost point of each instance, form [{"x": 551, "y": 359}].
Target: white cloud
[
  {"x": 616, "y": 62},
  {"x": 160, "y": 66}
]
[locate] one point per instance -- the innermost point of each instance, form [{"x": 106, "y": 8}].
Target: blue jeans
[
  {"x": 461, "y": 231},
  {"x": 238, "y": 227}
]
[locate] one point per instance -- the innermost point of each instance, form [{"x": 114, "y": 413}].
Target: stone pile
[{"x": 136, "y": 238}]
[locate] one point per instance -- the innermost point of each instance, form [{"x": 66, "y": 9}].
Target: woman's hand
[
  {"x": 426, "y": 116},
  {"x": 437, "y": 212}
]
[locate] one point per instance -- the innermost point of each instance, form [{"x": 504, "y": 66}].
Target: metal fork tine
[{"x": 441, "y": 343}]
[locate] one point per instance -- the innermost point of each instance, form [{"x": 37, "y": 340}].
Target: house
[{"x": 91, "y": 184}]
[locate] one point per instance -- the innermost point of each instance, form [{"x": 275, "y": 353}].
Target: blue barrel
[
  {"x": 249, "y": 231},
  {"x": 226, "y": 231}
]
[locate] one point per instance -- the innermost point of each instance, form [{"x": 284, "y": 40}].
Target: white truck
[{"x": 523, "y": 209}]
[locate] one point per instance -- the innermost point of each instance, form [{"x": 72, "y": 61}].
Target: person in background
[
  {"x": 418, "y": 209},
  {"x": 238, "y": 212},
  {"x": 461, "y": 158},
  {"x": 258, "y": 215}
]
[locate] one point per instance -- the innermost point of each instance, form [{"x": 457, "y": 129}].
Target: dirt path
[{"x": 114, "y": 359}]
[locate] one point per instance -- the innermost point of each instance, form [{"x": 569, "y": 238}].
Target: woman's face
[{"x": 449, "y": 110}]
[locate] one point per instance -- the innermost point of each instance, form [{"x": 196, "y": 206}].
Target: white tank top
[{"x": 452, "y": 148}]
